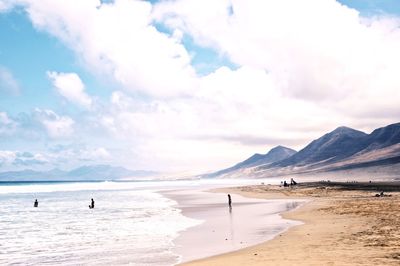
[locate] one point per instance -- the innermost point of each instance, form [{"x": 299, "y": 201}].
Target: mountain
[
  {"x": 274, "y": 155},
  {"x": 341, "y": 149},
  {"x": 84, "y": 173},
  {"x": 384, "y": 137},
  {"x": 338, "y": 144},
  {"x": 105, "y": 172}
]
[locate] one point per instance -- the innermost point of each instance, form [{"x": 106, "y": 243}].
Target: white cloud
[
  {"x": 78, "y": 152},
  {"x": 6, "y": 5},
  {"x": 40, "y": 124},
  {"x": 28, "y": 159},
  {"x": 95, "y": 154},
  {"x": 56, "y": 126},
  {"x": 8, "y": 83},
  {"x": 213, "y": 128},
  {"x": 315, "y": 50},
  {"x": 4, "y": 119},
  {"x": 304, "y": 67},
  {"x": 63, "y": 156},
  {"x": 120, "y": 40},
  {"x": 71, "y": 87},
  {"x": 7, "y": 125},
  {"x": 17, "y": 158},
  {"x": 60, "y": 127},
  {"x": 7, "y": 157}
]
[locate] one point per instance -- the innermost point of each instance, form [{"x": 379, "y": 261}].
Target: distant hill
[
  {"x": 342, "y": 149},
  {"x": 87, "y": 173},
  {"x": 276, "y": 154}
]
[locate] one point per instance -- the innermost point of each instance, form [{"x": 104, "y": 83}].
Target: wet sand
[
  {"x": 249, "y": 222},
  {"x": 344, "y": 224}
]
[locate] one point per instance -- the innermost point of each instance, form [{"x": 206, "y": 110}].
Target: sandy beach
[
  {"x": 222, "y": 229},
  {"x": 343, "y": 224}
]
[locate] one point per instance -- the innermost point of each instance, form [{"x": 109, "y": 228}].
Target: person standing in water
[
  {"x": 36, "y": 204},
  {"x": 229, "y": 201},
  {"x": 91, "y": 206}
]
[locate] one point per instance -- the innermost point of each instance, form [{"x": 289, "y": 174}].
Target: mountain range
[
  {"x": 343, "y": 149},
  {"x": 87, "y": 173}
]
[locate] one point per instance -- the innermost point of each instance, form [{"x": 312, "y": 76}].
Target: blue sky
[
  {"x": 171, "y": 79},
  {"x": 373, "y": 7},
  {"x": 28, "y": 54}
]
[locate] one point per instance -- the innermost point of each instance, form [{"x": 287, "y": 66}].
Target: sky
[{"x": 187, "y": 85}]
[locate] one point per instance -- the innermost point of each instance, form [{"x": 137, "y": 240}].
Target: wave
[{"x": 44, "y": 187}]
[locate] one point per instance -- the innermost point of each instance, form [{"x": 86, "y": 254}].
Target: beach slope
[{"x": 344, "y": 224}]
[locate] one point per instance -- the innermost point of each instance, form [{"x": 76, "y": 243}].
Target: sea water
[
  {"x": 127, "y": 226},
  {"x": 131, "y": 224}
]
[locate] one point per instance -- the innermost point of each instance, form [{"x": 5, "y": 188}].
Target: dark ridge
[
  {"x": 275, "y": 154},
  {"x": 338, "y": 144},
  {"x": 384, "y": 137},
  {"x": 387, "y": 161}
]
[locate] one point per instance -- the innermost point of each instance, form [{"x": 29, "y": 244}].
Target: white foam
[
  {"x": 126, "y": 226},
  {"x": 131, "y": 222},
  {"x": 43, "y": 187}
]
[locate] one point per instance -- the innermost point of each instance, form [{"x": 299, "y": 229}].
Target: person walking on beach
[
  {"x": 91, "y": 206},
  {"x": 36, "y": 204},
  {"x": 229, "y": 201}
]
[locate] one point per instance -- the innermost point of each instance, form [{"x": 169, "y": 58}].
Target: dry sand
[{"x": 344, "y": 224}]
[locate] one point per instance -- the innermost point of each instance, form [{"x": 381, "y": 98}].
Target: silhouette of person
[
  {"x": 36, "y": 204},
  {"x": 229, "y": 201},
  {"x": 91, "y": 206}
]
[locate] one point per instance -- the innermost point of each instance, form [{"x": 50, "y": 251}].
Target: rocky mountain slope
[
  {"x": 276, "y": 154},
  {"x": 342, "y": 149}
]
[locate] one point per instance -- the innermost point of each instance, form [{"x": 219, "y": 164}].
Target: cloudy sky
[{"x": 192, "y": 85}]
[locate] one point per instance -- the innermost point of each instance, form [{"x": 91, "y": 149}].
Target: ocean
[{"x": 131, "y": 224}]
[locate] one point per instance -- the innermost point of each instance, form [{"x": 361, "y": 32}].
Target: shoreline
[
  {"x": 343, "y": 224},
  {"x": 250, "y": 222}
]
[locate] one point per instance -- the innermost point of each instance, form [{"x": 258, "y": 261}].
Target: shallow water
[
  {"x": 132, "y": 223},
  {"x": 126, "y": 227}
]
